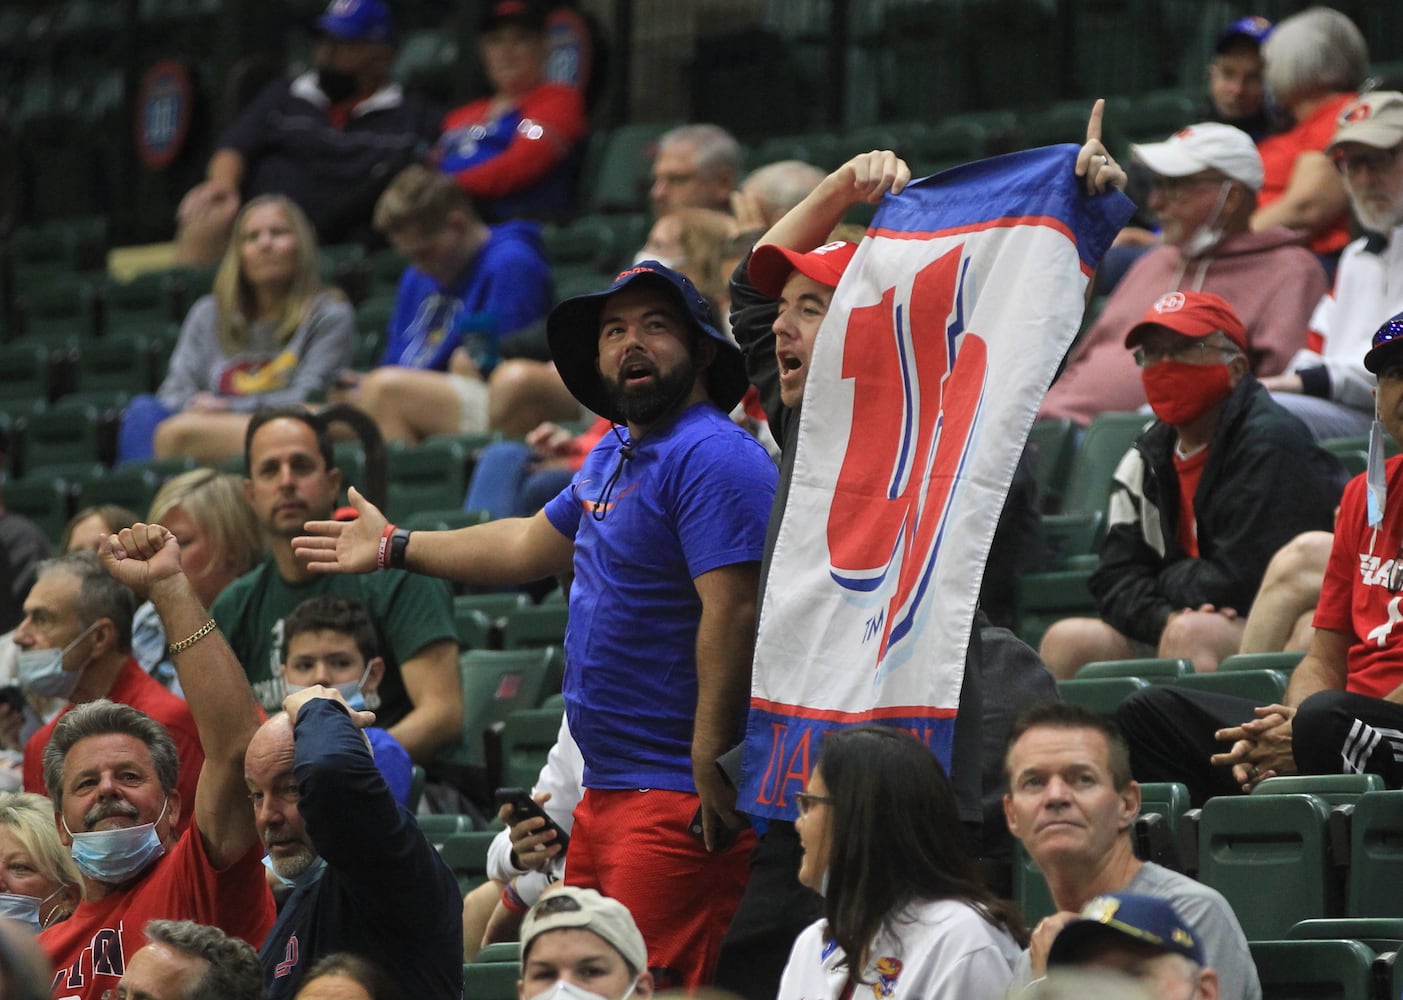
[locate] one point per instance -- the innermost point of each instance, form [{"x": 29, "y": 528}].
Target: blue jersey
[{"x": 694, "y": 497}]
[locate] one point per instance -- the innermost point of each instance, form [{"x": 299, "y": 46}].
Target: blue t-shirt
[
  {"x": 695, "y": 497},
  {"x": 505, "y": 288}
]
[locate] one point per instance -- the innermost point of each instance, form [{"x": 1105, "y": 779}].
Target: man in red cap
[
  {"x": 1221, "y": 480},
  {"x": 1341, "y": 711}
]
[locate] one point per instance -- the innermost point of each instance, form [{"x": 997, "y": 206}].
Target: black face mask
[{"x": 337, "y": 84}]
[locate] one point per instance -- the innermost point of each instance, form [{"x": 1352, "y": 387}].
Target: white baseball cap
[{"x": 1206, "y": 146}]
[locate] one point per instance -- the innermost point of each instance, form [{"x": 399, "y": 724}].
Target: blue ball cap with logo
[
  {"x": 1254, "y": 28},
  {"x": 1147, "y": 920},
  {"x": 1387, "y": 347},
  {"x": 357, "y": 21},
  {"x": 573, "y": 332}
]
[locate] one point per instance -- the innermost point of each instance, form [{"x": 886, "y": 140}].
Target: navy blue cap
[
  {"x": 1387, "y": 346},
  {"x": 1254, "y": 28},
  {"x": 357, "y": 21},
  {"x": 1148, "y": 920},
  {"x": 573, "y": 332}
]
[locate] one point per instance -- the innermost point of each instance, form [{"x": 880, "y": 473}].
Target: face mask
[
  {"x": 823, "y": 884},
  {"x": 1179, "y": 393},
  {"x": 114, "y": 856},
  {"x": 563, "y": 990},
  {"x": 41, "y": 671},
  {"x": 310, "y": 875},
  {"x": 1206, "y": 237},
  {"x": 24, "y": 909},
  {"x": 337, "y": 84},
  {"x": 350, "y": 690}
]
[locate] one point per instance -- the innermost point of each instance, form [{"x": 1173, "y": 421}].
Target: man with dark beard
[{"x": 664, "y": 527}]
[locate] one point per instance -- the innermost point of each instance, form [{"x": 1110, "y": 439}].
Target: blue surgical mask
[
  {"x": 350, "y": 690},
  {"x": 114, "y": 856},
  {"x": 24, "y": 909},
  {"x": 40, "y": 671},
  {"x": 313, "y": 872}
]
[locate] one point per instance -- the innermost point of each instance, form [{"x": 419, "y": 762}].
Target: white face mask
[
  {"x": 352, "y": 691},
  {"x": 563, "y": 990},
  {"x": 24, "y": 909},
  {"x": 1210, "y": 234}
]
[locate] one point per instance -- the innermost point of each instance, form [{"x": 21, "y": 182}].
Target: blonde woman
[
  {"x": 269, "y": 335},
  {"x": 219, "y": 542},
  {"x": 39, "y": 883}
]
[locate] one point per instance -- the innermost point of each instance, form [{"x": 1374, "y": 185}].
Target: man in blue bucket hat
[{"x": 663, "y": 528}]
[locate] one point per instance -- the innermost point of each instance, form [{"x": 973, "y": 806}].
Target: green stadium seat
[
  {"x": 437, "y": 827},
  {"x": 1103, "y": 445},
  {"x": 42, "y": 499},
  {"x": 59, "y": 309},
  {"x": 526, "y": 741},
  {"x": 1052, "y": 443},
  {"x": 1285, "y": 662},
  {"x": 445, "y": 520},
  {"x": 132, "y": 487},
  {"x": 1250, "y": 843},
  {"x": 429, "y": 476},
  {"x": 1334, "y": 789},
  {"x": 1376, "y": 854},
  {"x": 534, "y": 625},
  {"x": 1342, "y": 970},
  {"x": 1265, "y": 687},
  {"x": 1157, "y": 115},
  {"x": 466, "y": 855},
  {"x": 495, "y": 683},
  {"x": 1379, "y": 933},
  {"x": 145, "y": 303},
  {"x": 417, "y": 779},
  {"x": 1069, "y": 536},
  {"x": 24, "y": 374},
  {"x": 66, "y": 433},
  {"x": 1030, "y": 889},
  {"x": 490, "y": 980},
  {"x": 1156, "y": 670},
  {"x": 499, "y": 951},
  {"x": 116, "y": 362},
  {"x": 1101, "y": 695},
  {"x": 586, "y": 241},
  {"x": 622, "y": 175},
  {"x": 1044, "y": 598}
]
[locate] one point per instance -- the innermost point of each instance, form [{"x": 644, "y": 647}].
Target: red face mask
[{"x": 1180, "y": 393}]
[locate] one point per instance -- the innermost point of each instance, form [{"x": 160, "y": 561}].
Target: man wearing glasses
[
  {"x": 1341, "y": 711},
  {"x": 1205, "y": 182},
  {"x": 1202, "y": 500},
  {"x": 1326, "y": 385}
]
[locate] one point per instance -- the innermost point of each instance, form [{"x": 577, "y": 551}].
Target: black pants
[{"x": 1170, "y": 733}]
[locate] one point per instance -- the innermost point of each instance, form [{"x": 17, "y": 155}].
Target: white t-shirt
[{"x": 940, "y": 950}]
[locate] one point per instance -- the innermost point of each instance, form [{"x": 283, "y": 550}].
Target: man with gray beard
[
  {"x": 1326, "y": 384},
  {"x": 363, "y": 877}
]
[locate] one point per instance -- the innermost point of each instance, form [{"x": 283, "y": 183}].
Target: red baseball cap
[
  {"x": 1193, "y": 314},
  {"x": 771, "y": 265}
]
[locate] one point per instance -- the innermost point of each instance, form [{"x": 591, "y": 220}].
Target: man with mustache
[{"x": 112, "y": 773}]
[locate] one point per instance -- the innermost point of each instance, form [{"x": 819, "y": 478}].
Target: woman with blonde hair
[
  {"x": 219, "y": 542},
  {"x": 39, "y": 883},
  {"x": 268, "y": 335},
  {"x": 693, "y": 241}
]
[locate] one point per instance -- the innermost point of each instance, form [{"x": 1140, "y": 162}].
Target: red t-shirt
[
  {"x": 1279, "y": 154},
  {"x": 136, "y": 688},
  {"x": 1189, "y": 471},
  {"x": 1355, "y": 599},
  {"x": 90, "y": 949}
]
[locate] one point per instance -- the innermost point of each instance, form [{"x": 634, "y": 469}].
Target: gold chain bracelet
[{"x": 184, "y": 644}]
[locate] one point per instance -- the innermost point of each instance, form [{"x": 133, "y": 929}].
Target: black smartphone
[
  {"x": 724, "y": 837},
  {"x": 525, "y": 807}
]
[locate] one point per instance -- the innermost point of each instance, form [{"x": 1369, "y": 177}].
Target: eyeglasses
[
  {"x": 1173, "y": 188},
  {"x": 1376, "y": 160},
  {"x": 807, "y": 801},
  {"x": 1190, "y": 353}
]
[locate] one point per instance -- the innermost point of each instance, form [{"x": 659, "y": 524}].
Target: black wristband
[{"x": 399, "y": 542}]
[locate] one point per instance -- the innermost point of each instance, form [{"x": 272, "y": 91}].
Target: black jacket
[{"x": 1265, "y": 481}]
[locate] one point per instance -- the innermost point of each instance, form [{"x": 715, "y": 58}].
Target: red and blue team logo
[{"x": 915, "y": 399}]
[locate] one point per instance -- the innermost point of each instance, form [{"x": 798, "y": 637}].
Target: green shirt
[{"x": 409, "y": 612}]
